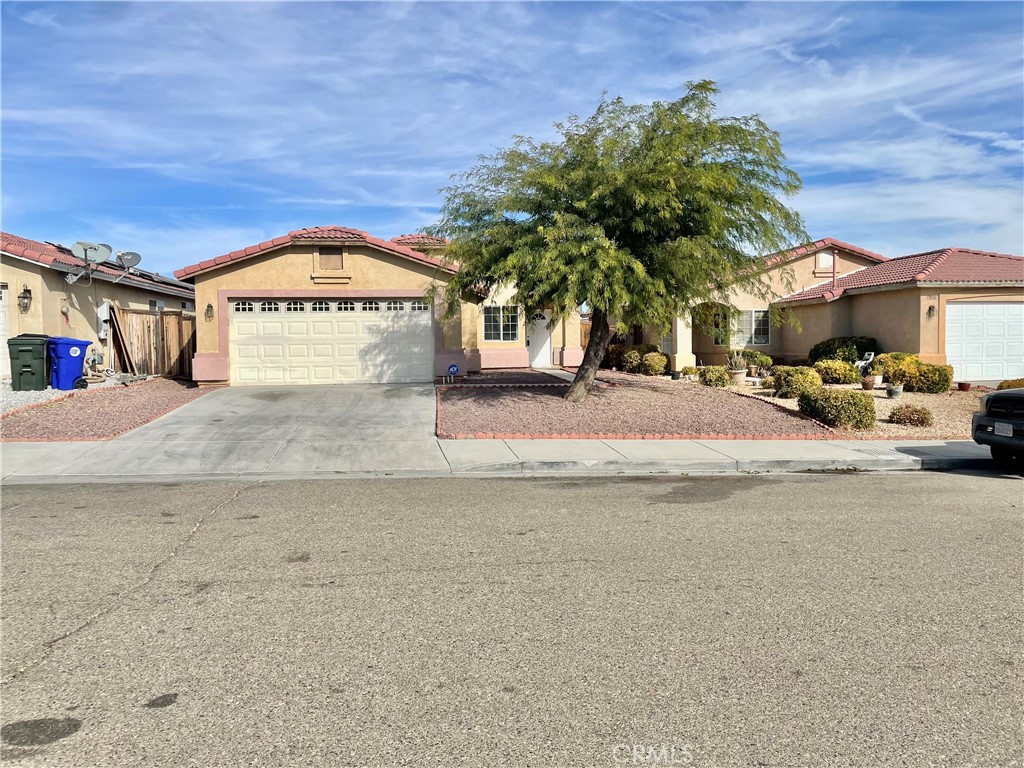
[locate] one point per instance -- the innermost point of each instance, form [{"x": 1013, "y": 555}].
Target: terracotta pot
[
  {"x": 738, "y": 376},
  {"x": 963, "y": 386},
  {"x": 868, "y": 383},
  {"x": 752, "y": 371}
]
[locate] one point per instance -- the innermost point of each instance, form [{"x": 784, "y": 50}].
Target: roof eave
[{"x": 127, "y": 279}]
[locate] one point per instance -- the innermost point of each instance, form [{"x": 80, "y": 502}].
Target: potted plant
[
  {"x": 868, "y": 383},
  {"x": 737, "y": 368},
  {"x": 875, "y": 370},
  {"x": 897, "y": 378},
  {"x": 963, "y": 386}
]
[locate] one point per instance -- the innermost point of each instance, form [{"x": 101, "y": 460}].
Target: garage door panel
[
  {"x": 332, "y": 347},
  {"x": 985, "y": 340}
]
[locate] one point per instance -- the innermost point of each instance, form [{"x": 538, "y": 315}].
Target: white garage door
[
  {"x": 985, "y": 340},
  {"x": 5, "y": 357},
  {"x": 338, "y": 341}
]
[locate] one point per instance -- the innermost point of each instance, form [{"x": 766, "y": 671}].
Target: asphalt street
[{"x": 759, "y": 621}]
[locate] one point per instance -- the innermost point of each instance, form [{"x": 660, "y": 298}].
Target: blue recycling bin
[{"x": 67, "y": 361}]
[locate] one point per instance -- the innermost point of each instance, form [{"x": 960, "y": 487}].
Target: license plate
[{"x": 1004, "y": 430}]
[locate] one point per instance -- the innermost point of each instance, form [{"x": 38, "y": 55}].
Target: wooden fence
[{"x": 155, "y": 342}]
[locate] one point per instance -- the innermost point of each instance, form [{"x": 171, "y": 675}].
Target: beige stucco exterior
[
  {"x": 293, "y": 270},
  {"x": 60, "y": 309}
]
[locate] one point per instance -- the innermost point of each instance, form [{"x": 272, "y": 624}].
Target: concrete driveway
[{"x": 338, "y": 428}]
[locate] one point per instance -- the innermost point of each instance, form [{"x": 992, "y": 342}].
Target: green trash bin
[{"x": 29, "y": 362}]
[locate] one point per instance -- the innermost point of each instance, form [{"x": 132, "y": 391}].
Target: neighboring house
[
  {"x": 37, "y": 273},
  {"x": 794, "y": 270},
  {"x": 953, "y": 306},
  {"x": 336, "y": 305}
]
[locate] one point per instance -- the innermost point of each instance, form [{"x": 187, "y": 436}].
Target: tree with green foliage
[{"x": 640, "y": 212}]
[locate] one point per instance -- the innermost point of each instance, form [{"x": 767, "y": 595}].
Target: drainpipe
[{"x": 835, "y": 255}]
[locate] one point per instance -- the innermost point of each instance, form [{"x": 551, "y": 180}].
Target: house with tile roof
[
  {"x": 334, "y": 304},
  {"x": 952, "y": 306},
  {"x": 36, "y": 297}
]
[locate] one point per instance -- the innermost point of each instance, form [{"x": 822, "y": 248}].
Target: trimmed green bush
[
  {"x": 837, "y": 372},
  {"x": 913, "y": 415},
  {"x": 768, "y": 382},
  {"x": 654, "y": 364},
  {"x": 839, "y": 407},
  {"x": 848, "y": 348},
  {"x": 792, "y": 382},
  {"x": 885, "y": 362},
  {"x": 714, "y": 375},
  {"x": 613, "y": 356},
  {"x": 631, "y": 360},
  {"x": 689, "y": 370},
  {"x": 1011, "y": 384},
  {"x": 933, "y": 379},
  {"x": 753, "y": 357}
]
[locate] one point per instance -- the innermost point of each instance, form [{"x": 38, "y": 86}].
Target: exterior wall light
[
  {"x": 25, "y": 299},
  {"x": 209, "y": 312},
  {"x": 931, "y": 311}
]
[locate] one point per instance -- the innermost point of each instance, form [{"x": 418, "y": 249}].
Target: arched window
[
  {"x": 371, "y": 306},
  {"x": 269, "y": 306},
  {"x": 321, "y": 306},
  {"x": 244, "y": 306},
  {"x": 346, "y": 306},
  {"x": 396, "y": 306},
  {"x": 295, "y": 306},
  {"x": 419, "y": 306}
]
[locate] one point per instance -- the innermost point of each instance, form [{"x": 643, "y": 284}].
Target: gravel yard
[
  {"x": 637, "y": 405},
  {"x": 99, "y": 414},
  {"x": 10, "y": 400},
  {"x": 511, "y": 376},
  {"x": 951, "y": 412}
]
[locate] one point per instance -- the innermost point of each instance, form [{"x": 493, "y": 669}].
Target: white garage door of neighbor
[
  {"x": 985, "y": 340},
  {"x": 281, "y": 341},
  {"x": 5, "y": 358}
]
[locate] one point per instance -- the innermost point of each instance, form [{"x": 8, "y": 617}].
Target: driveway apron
[{"x": 337, "y": 428}]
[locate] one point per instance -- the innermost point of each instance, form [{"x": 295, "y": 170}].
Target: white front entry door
[
  {"x": 538, "y": 339},
  {"x": 336, "y": 341},
  {"x": 985, "y": 340}
]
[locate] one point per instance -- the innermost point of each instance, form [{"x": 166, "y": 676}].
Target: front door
[{"x": 538, "y": 339}]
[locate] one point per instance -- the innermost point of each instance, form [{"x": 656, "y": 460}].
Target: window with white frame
[
  {"x": 244, "y": 306},
  {"x": 321, "y": 306},
  {"x": 269, "y": 306},
  {"x": 395, "y": 306},
  {"x": 371, "y": 306},
  {"x": 501, "y": 323},
  {"x": 752, "y": 328},
  {"x": 295, "y": 306},
  {"x": 419, "y": 306},
  {"x": 346, "y": 306}
]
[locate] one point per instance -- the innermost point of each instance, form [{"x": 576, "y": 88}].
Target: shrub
[
  {"x": 714, "y": 376},
  {"x": 768, "y": 383},
  {"x": 654, "y": 364},
  {"x": 792, "y": 382},
  {"x": 689, "y": 370},
  {"x": 848, "y": 348},
  {"x": 613, "y": 356},
  {"x": 753, "y": 357},
  {"x": 925, "y": 377},
  {"x": 1011, "y": 384},
  {"x": 914, "y": 415},
  {"x": 885, "y": 362},
  {"x": 839, "y": 407},
  {"x": 736, "y": 362},
  {"x": 631, "y": 360},
  {"x": 837, "y": 372}
]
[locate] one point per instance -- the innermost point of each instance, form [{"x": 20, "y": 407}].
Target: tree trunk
[{"x": 600, "y": 334}]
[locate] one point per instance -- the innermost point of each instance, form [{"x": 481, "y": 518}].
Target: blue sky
[{"x": 185, "y": 130}]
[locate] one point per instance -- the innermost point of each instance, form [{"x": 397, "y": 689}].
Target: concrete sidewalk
[{"x": 244, "y": 457}]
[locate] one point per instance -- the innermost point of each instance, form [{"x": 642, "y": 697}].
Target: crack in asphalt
[{"x": 120, "y": 597}]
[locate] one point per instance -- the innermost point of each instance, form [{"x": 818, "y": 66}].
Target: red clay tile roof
[
  {"x": 336, "y": 233},
  {"x": 428, "y": 240},
  {"x": 948, "y": 265},
  {"x": 50, "y": 254},
  {"x": 817, "y": 245}
]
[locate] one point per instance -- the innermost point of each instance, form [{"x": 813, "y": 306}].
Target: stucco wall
[{"x": 51, "y": 293}]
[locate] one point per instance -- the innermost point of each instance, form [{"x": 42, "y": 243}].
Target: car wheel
[{"x": 1003, "y": 457}]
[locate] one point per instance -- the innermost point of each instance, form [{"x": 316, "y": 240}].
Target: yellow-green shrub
[
  {"x": 654, "y": 364},
  {"x": 714, "y": 376},
  {"x": 839, "y": 407},
  {"x": 791, "y": 382},
  {"x": 1011, "y": 384},
  {"x": 913, "y": 415},
  {"x": 631, "y": 360},
  {"x": 689, "y": 370},
  {"x": 837, "y": 372}
]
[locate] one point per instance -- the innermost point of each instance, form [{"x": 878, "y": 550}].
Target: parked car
[{"x": 999, "y": 424}]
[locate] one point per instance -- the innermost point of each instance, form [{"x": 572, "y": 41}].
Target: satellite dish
[
  {"x": 128, "y": 259},
  {"x": 95, "y": 253}
]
